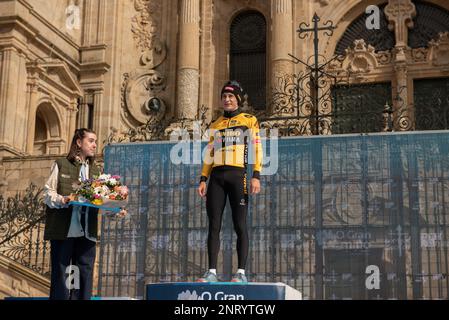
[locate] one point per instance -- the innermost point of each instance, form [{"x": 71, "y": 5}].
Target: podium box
[{"x": 221, "y": 291}]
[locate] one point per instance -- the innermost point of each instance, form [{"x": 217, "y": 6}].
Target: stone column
[
  {"x": 71, "y": 122},
  {"x": 32, "y": 108},
  {"x": 3, "y": 181},
  {"x": 400, "y": 15},
  {"x": 83, "y": 113},
  {"x": 188, "y": 60},
  {"x": 33, "y": 71},
  {"x": 100, "y": 119},
  {"x": 282, "y": 40},
  {"x": 403, "y": 115},
  {"x": 10, "y": 77}
]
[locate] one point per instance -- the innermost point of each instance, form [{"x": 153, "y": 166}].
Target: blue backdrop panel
[{"x": 342, "y": 217}]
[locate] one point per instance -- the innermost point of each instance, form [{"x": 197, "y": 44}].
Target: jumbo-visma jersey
[{"x": 231, "y": 139}]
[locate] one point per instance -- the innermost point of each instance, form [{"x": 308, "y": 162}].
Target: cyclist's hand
[
  {"x": 255, "y": 186},
  {"x": 202, "y": 189}
]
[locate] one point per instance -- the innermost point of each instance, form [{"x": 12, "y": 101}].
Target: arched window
[
  {"x": 382, "y": 39},
  {"x": 430, "y": 101},
  {"x": 248, "y": 55},
  {"x": 47, "y": 133},
  {"x": 358, "y": 107},
  {"x": 430, "y": 20},
  {"x": 40, "y": 134}
]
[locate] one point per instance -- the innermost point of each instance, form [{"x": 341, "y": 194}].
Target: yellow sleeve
[
  {"x": 257, "y": 147},
  {"x": 208, "y": 160}
]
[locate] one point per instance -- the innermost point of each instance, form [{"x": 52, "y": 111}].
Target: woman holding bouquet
[{"x": 72, "y": 230}]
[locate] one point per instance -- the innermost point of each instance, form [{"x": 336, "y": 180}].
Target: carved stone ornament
[
  {"x": 400, "y": 15},
  {"x": 420, "y": 54},
  {"x": 384, "y": 57},
  {"x": 361, "y": 59},
  {"x": 145, "y": 23},
  {"x": 141, "y": 87},
  {"x": 154, "y": 56},
  {"x": 439, "y": 50},
  {"x": 138, "y": 91}
]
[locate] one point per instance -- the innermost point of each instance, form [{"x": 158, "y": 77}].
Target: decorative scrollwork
[
  {"x": 302, "y": 30},
  {"x": 21, "y": 230},
  {"x": 402, "y": 115},
  {"x": 286, "y": 93},
  {"x": 329, "y": 28}
]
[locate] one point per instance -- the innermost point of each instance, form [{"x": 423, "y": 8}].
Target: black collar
[{"x": 230, "y": 114}]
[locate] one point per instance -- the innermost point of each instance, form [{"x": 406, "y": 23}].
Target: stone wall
[
  {"x": 18, "y": 281},
  {"x": 20, "y": 173}
]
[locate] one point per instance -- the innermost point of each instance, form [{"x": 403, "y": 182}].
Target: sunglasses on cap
[{"x": 235, "y": 84}]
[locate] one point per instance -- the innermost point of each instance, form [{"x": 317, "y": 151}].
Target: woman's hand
[
  {"x": 68, "y": 198},
  {"x": 202, "y": 189}
]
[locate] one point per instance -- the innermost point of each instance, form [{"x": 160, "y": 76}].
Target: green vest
[{"x": 58, "y": 221}]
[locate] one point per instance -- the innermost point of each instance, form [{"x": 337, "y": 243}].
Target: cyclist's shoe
[
  {"x": 239, "y": 277},
  {"x": 208, "y": 277}
]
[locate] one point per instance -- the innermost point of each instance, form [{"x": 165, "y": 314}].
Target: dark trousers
[
  {"x": 79, "y": 252},
  {"x": 227, "y": 182}
]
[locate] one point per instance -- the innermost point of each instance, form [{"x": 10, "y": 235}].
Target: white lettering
[{"x": 373, "y": 21}]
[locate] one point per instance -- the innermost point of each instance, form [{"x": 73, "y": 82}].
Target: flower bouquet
[{"x": 103, "y": 192}]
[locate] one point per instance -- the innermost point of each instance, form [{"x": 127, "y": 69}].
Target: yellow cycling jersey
[{"x": 231, "y": 140}]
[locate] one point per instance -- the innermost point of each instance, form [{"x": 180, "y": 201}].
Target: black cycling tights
[{"x": 227, "y": 181}]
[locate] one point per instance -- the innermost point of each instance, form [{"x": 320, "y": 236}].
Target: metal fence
[{"x": 344, "y": 217}]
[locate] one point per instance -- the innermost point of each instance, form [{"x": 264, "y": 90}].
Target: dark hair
[{"x": 74, "y": 149}]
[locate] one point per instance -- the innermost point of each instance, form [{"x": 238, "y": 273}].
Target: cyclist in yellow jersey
[{"x": 232, "y": 137}]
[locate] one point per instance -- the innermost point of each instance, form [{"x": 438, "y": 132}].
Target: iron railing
[{"x": 22, "y": 230}]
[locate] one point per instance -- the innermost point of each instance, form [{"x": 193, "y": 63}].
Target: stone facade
[
  {"x": 18, "y": 281},
  {"x": 102, "y": 63}
]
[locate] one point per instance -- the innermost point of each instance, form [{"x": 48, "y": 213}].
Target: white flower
[
  {"x": 104, "y": 177},
  {"x": 103, "y": 191},
  {"x": 112, "y": 181}
]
